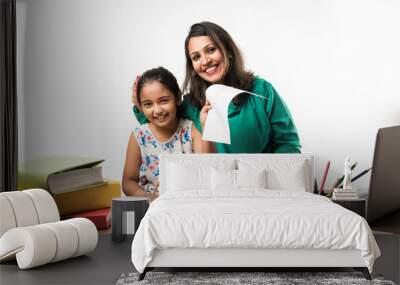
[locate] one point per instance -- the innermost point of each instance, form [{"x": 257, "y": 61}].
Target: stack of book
[
  {"x": 101, "y": 217},
  {"x": 344, "y": 194},
  {"x": 76, "y": 184}
]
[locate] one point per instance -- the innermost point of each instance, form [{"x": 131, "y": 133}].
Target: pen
[
  {"x": 315, "y": 186},
  {"x": 321, "y": 189},
  {"x": 361, "y": 174}
]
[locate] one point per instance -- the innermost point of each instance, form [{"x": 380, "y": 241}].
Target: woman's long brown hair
[{"x": 236, "y": 75}]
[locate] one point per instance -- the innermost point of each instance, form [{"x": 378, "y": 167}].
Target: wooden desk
[{"x": 358, "y": 206}]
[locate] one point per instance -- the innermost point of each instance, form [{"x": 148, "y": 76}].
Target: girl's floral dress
[{"x": 150, "y": 148}]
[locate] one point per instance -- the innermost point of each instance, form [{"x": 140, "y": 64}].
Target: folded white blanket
[{"x": 253, "y": 218}]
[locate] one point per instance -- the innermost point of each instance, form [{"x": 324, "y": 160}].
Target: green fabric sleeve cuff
[
  {"x": 139, "y": 115},
  {"x": 287, "y": 149}
]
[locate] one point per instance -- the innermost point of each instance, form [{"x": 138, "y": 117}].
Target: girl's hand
[
  {"x": 152, "y": 195},
  {"x": 134, "y": 92},
  {"x": 204, "y": 113}
]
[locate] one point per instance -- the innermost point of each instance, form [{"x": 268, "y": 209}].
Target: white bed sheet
[{"x": 250, "y": 218}]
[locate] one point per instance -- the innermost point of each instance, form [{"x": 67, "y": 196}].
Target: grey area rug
[{"x": 229, "y": 278}]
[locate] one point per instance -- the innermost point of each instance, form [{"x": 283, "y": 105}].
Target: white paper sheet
[{"x": 216, "y": 128}]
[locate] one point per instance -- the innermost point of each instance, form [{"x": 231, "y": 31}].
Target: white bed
[{"x": 242, "y": 210}]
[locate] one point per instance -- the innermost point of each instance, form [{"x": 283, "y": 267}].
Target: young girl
[{"x": 158, "y": 96}]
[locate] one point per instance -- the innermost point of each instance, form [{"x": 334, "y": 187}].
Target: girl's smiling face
[
  {"x": 207, "y": 59},
  {"x": 158, "y": 104}
]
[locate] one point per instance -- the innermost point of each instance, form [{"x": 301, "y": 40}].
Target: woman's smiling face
[{"x": 207, "y": 59}]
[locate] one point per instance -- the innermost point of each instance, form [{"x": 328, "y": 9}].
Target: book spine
[
  {"x": 92, "y": 198},
  {"x": 101, "y": 222},
  {"x": 67, "y": 190},
  {"x": 344, "y": 197}
]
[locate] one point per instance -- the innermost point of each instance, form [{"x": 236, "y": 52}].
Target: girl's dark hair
[
  {"x": 163, "y": 76},
  {"x": 236, "y": 75}
]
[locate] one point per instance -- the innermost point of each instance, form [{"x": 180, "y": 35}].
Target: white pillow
[
  {"x": 183, "y": 178},
  {"x": 251, "y": 178},
  {"x": 293, "y": 178},
  {"x": 179, "y": 172},
  {"x": 223, "y": 179},
  {"x": 236, "y": 179},
  {"x": 281, "y": 174},
  {"x": 189, "y": 174}
]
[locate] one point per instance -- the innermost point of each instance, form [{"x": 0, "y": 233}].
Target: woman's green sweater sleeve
[
  {"x": 189, "y": 111},
  {"x": 139, "y": 115},
  {"x": 284, "y": 134}
]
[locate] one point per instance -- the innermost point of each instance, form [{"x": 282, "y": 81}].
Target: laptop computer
[{"x": 383, "y": 207}]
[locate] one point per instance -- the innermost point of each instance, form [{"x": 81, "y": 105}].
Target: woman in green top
[{"x": 257, "y": 125}]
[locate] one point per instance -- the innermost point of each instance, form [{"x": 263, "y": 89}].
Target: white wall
[{"x": 335, "y": 63}]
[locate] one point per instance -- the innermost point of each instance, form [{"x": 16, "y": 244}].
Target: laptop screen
[{"x": 384, "y": 189}]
